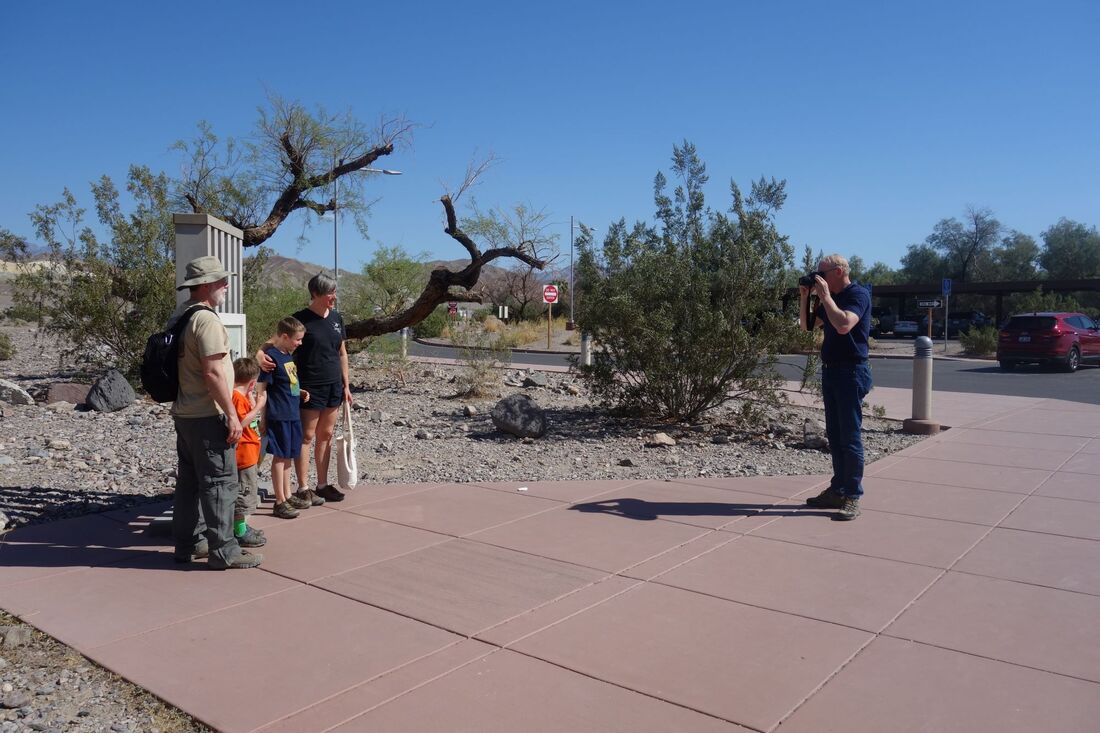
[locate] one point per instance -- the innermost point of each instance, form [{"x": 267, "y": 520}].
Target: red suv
[{"x": 1066, "y": 339}]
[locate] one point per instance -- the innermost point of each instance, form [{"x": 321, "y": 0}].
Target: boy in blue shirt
[{"x": 284, "y": 425}]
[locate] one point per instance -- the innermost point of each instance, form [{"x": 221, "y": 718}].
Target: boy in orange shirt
[{"x": 245, "y": 373}]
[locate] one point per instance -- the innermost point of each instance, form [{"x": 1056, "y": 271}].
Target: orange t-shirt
[{"x": 248, "y": 449}]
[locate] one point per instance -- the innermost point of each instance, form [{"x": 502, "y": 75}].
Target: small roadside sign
[
  {"x": 946, "y": 289},
  {"x": 550, "y": 294},
  {"x": 932, "y": 303},
  {"x": 452, "y": 308}
]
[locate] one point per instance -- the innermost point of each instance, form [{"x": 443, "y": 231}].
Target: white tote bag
[{"x": 347, "y": 471}]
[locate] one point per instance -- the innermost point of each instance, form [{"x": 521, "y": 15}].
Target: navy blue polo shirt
[{"x": 852, "y": 346}]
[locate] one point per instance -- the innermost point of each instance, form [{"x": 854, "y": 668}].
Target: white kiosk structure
[{"x": 198, "y": 235}]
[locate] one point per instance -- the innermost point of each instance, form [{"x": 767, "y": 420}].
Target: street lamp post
[{"x": 335, "y": 217}]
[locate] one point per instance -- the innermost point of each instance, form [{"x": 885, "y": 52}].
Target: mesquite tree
[{"x": 291, "y": 164}]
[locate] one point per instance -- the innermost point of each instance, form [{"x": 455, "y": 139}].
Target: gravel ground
[{"x": 60, "y": 461}]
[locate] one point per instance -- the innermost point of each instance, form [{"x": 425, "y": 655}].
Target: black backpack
[{"x": 160, "y": 365}]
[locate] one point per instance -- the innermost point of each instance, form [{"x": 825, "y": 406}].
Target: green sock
[{"x": 240, "y": 526}]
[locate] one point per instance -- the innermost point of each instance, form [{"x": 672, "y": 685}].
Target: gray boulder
[
  {"x": 521, "y": 416},
  {"x": 111, "y": 392},
  {"x": 535, "y": 379},
  {"x": 13, "y": 394},
  {"x": 813, "y": 435},
  {"x": 71, "y": 392}
]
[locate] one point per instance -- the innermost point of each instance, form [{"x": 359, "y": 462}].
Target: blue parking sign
[{"x": 947, "y": 286}]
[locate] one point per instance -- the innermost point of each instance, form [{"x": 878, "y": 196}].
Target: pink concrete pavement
[{"x": 964, "y": 599}]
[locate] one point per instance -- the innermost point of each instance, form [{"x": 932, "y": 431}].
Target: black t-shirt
[
  {"x": 852, "y": 346},
  {"x": 318, "y": 358}
]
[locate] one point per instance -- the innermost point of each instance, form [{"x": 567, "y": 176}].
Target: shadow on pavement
[{"x": 649, "y": 510}]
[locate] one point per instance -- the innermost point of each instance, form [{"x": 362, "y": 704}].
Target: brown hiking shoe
[
  {"x": 827, "y": 499},
  {"x": 311, "y": 496},
  {"x": 198, "y": 552},
  {"x": 849, "y": 511},
  {"x": 244, "y": 560},
  {"x": 299, "y": 502},
  {"x": 284, "y": 511},
  {"x": 330, "y": 493}
]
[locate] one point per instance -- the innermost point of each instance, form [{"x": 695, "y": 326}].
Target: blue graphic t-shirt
[{"x": 283, "y": 392}]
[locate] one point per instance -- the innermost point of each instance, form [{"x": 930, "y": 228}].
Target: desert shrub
[
  {"x": 21, "y": 313},
  {"x": 266, "y": 305},
  {"x": 979, "y": 341},
  {"x": 481, "y": 357},
  {"x": 7, "y": 350},
  {"x": 685, "y": 310},
  {"x": 433, "y": 325},
  {"x": 492, "y": 324},
  {"x": 384, "y": 354}
]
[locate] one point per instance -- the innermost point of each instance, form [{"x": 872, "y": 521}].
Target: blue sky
[{"x": 882, "y": 117}]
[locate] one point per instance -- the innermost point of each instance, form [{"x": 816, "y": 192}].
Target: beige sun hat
[{"x": 202, "y": 270}]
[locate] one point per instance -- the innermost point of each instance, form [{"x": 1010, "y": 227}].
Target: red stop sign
[{"x": 550, "y": 294}]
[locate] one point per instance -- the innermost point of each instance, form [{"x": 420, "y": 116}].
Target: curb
[{"x": 426, "y": 342}]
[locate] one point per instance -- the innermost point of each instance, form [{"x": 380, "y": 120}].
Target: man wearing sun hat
[{"x": 207, "y": 428}]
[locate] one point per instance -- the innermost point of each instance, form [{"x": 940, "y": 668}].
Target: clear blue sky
[{"x": 882, "y": 117}]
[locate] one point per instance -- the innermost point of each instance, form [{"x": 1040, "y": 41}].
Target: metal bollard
[
  {"x": 921, "y": 423},
  {"x": 405, "y": 343},
  {"x": 586, "y": 348}
]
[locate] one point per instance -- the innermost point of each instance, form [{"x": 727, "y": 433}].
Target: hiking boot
[
  {"x": 827, "y": 499},
  {"x": 252, "y": 538},
  {"x": 328, "y": 492},
  {"x": 311, "y": 496},
  {"x": 299, "y": 502},
  {"x": 849, "y": 511},
  {"x": 198, "y": 552},
  {"x": 284, "y": 511},
  {"x": 244, "y": 560}
]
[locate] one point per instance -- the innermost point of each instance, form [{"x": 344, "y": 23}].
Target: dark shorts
[
  {"x": 322, "y": 396},
  {"x": 284, "y": 438}
]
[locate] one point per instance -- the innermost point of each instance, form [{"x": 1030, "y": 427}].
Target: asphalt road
[{"x": 948, "y": 375}]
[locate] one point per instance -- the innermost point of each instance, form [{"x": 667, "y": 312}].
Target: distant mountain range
[{"x": 289, "y": 271}]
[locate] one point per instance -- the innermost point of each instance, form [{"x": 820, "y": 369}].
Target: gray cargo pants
[{"x": 206, "y": 478}]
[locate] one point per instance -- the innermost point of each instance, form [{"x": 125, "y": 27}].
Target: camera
[{"x": 808, "y": 280}]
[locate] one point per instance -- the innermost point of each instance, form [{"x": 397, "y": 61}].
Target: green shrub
[
  {"x": 433, "y": 325},
  {"x": 7, "y": 350},
  {"x": 979, "y": 341},
  {"x": 685, "y": 310},
  {"x": 265, "y": 306},
  {"x": 21, "y": 313}
]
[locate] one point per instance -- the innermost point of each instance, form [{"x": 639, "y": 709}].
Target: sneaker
[
  {"x": 299, "y": 502},
  {"x": 311, "y": 496},
  {"x": 252, "y": 538},
  {"x": 328, "y": 492},
  {"x": 198, "y": 552},
  {"x": 849, "y": 511},
  {"x": 244, "y": 560},
  {"x": 827, "y": 499},
  {"x": 284, "y": 511}
]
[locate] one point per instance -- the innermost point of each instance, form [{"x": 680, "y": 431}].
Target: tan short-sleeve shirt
[{"x": 204, "y": 336}]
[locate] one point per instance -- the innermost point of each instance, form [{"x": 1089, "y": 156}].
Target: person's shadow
[{"x": 650, "y": 510}]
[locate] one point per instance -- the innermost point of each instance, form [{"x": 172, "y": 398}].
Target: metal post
[
  {"x": 921, "y": 423},
  {"x": 586, "y": 348},
  {"x": 571, "y": 324},
  {"x": 405, "y": 342},
  {"x": 335, "y": 229}
]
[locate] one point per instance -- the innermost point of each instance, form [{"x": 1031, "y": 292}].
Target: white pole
[{"x": 335, "y": 230}]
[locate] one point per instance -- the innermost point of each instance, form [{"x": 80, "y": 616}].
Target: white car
[{"x": 907, "y": 328}]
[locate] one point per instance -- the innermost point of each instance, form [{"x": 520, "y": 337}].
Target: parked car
[
  {"x": 1065, "y": 339},
  {"x": 957, "y": 323},
  {"x": 907, "y": 326},
  {"x": 882, "y": 320}
]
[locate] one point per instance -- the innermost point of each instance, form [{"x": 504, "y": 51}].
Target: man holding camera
[{"x": 844, "y": 312}]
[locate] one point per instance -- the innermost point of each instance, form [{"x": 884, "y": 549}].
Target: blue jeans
[{"x": 844, "y": 387}]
